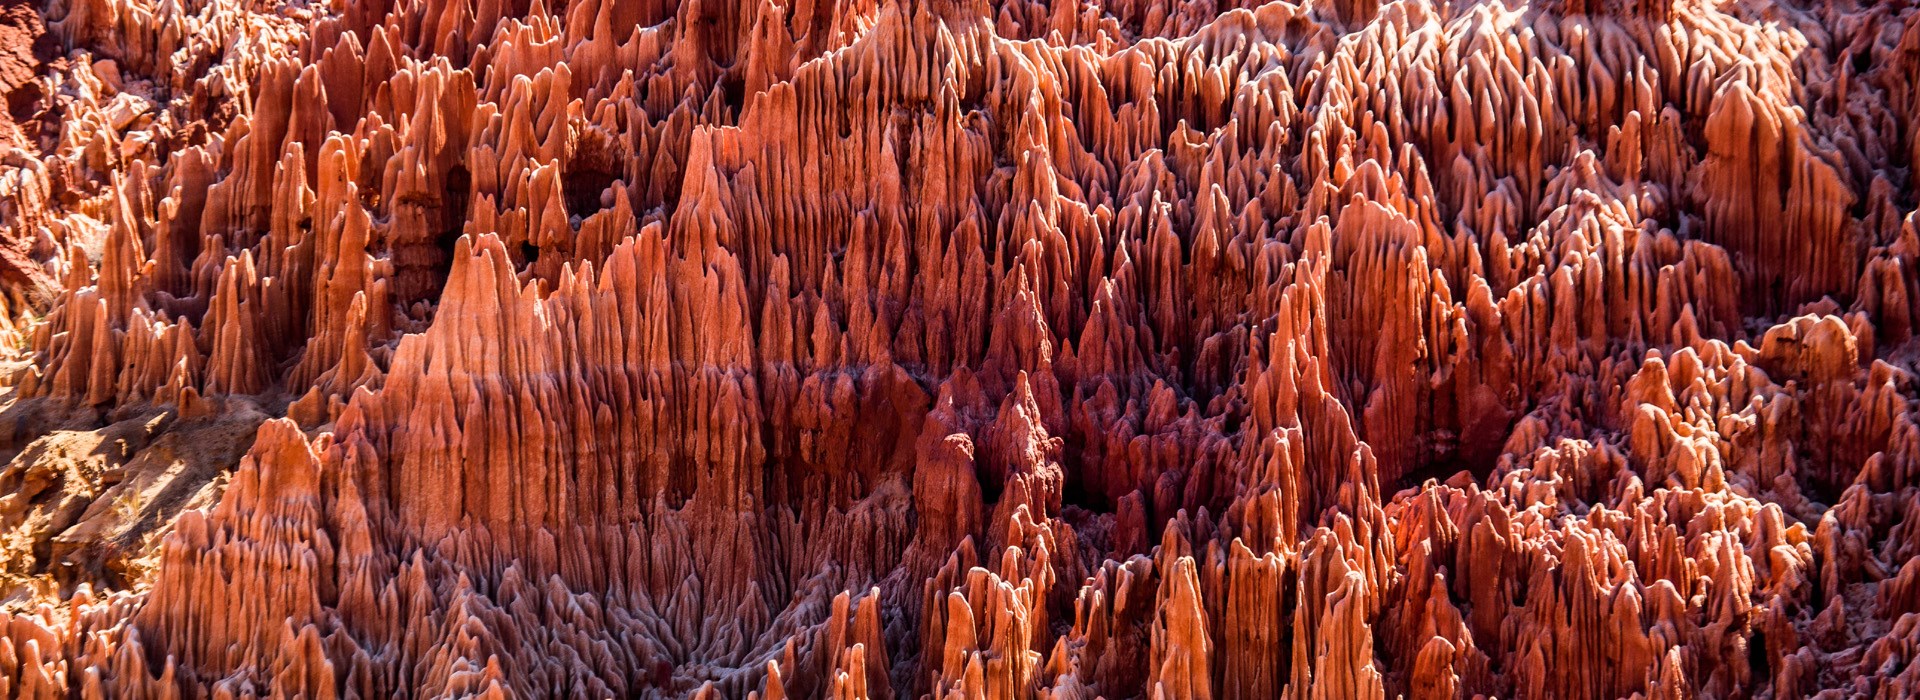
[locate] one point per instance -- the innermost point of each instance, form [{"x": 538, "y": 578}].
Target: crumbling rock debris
[{"x": 956, "y": 349}]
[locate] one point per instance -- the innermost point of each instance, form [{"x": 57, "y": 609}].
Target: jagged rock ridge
[{"x": 410, "y": 348}]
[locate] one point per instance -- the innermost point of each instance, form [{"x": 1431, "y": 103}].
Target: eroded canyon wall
[{"x": 910, "y": 348}]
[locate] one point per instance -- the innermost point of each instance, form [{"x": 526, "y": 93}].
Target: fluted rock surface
[{"x": 956, "y": 349}]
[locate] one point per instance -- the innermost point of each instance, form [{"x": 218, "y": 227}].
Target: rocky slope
[{"x": 910, "y": 348}]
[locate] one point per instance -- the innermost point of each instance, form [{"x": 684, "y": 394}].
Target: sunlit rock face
[{"x": 908, "y": 349}]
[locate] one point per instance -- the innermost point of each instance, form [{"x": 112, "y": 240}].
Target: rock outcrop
[{"x": 953, "y": 349}]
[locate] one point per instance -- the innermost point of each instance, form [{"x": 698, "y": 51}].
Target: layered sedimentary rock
[{"x": 956, "y": 349}]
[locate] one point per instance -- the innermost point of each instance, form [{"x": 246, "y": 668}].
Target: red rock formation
[{"x": 903, "y": 349}]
